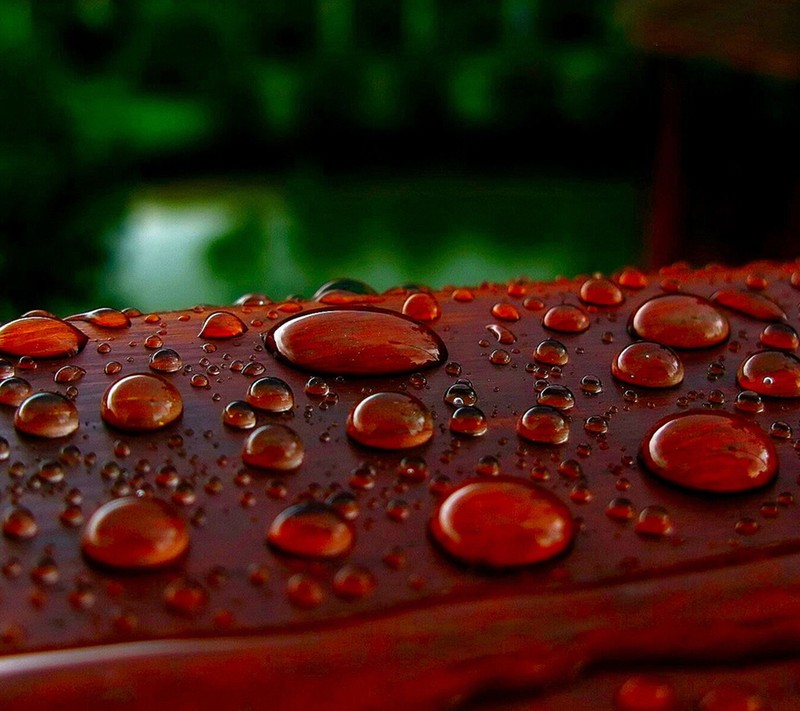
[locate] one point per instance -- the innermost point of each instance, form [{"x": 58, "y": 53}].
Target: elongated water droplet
[
  {"x": 543, "y": 425},
  {"x": 275, "y": 447},
  {"x": 141, "y": 402},
  {"x": 708, "y": 451},
  {"x": 600, "y": 292},
  {"x": 311, "y": 530},
  {"x": 222, "y": 324},
  {"x": 566, "y": 318},
  {"x": 48, "y": 415},
  {"x": 165, "y": 360},
  {"x": 104, "y": 318},
  {"x": 390, "y": 421},
  {"x": 680, "y": 321},
  {"x": 756, "y": 306},
  {"x": 649, "y": 365},
  {"x": 422, "y": 307},
  {"x": 772, "y": 373},
  {"x": 135, "y": 533},
  {"x": 356, "y": 341},
  {"x": 41, "y": 337},
  {"x": 271, "y": 395},
  {"x": 69, "y": 374},
  {"x": 503, "y": 335},
  {"x": 13, "y": 391},
  {"x": 502, "y": 523}
]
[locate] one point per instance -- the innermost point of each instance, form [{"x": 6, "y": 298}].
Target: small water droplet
[
  {"x": 140, "y": 403},
  {"x": 648, "y": 365},
  {"x": 50, "y": 472},
  {"x": 557, "y": 396},
  {"x": 500, "y": 357},
  {"x": 69, "y": 374},
  {"x": 632, "y": 278},
  {"x": 390, "y": 421},
  {"x": 591, "y": 385},
  {"x": 185, "y": 597},
  {"x": 311, "y": 530},
  {"x": 503, "y": 335},
  {"x": 749, "y": 401},
  {"x": 654, "y": 522},
  {"x": 165, "y": 360},
  {"x": 457, "y": 395},
  {"x": 600, "y": 292},
  {"x": 570, "y": 469},
  {"x": 104, "y": 318},
  {"x": 274, "y": 447},
  {"x": 488, "y": 465},
  {"x": 422, "y": 307},
  {"x": 19, "y": 524},
  {"x": 505, "y": 312},
  {"x": 304, "y": 592},
  {"x": 646, "y": 693},
  {"x": 732, "y": 697},
  {"x": 543, "y": 425},
  {"x": 222, "y": 324},
  {"x": 271, "y": 395},
  {"x": 463, "y": 296},
  {"x": 46, "y": 414},
  {"x": 620, "y": 509},
  {"x": 41, "y": 337},
  {"x": 566, "y": 318},
  {"x": 239, "y": 415},
  {"x": 13, "y": 391},
  {"x": 316, "y": 387},
  {"x": 781, "y": 336},
  {"x": 468, "y": 421},
  {"x": 502, "y": 523},
  {"x": 780, "y": 430},
  {"x": 596, "y": 424},
  {"x": 353, "y": 582},
  {"x": 551, "y": 352},
  {"x": 772, "y": 373}
]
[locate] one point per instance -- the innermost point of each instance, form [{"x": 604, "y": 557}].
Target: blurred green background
[{"x": 161, "y": 154}]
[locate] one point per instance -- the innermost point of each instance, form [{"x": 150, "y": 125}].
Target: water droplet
[
  {"x": 732, "y": 697},
  {"x": 41, "y": 337},
  {"x": 271, "y": 395},
  {"x": 648, "y": 365},
  {"x": 422, "y": 307},
  {"x": 591, "y": 385},
  {"x": 165, "y": 360},
  {"x": 135, "y": 533},
  {"x": 47, "y": 415},
  {"x": 680, "y": 321},
  {"x": 781, "y": 336},
  {"x": 50, "y": 472},
  {"x": 104, "y": 318},
  {"x": 253, "y": 300},
  {"x": 112, "y": 367},
  {"x": 772, "y": 373},
  {"x": 505, "y": 312},
  {"x": 356, "y": 341},
  {"x": 186, "y": 597},
  {"x": 570, "y": 469},
  {"x": 413, "y": 469},
  {"x": 274, "y": 447},
  {"x": 397, "y": 510},
  {"x": 710, "y": 451},
  {"x": 457, "y": 395},
  {"x": 557, "y": 396},
  {"x": 749, "y": 401},
  {"x": 747, "y": 526},
  {"x": 311, "y": 530},
  {"x": 304, "y": 592},
  {"x": 566, "y": 318},
  {"x": 596, "y": 424},
  {"x": 141, "y": 402},
  {"x": 469, "y": 421},
  {"x": 350, "y": 286},
  {"x": 198, "y": 380},
  {"x": 632, "y": 278},
  {"x": 502, "y": 523},
  {"x": 620, "y": 509},
  {"x": 353, "y": 582},
  {"x": 390, "y": 421},
  {"x": 500, "y": 357},
  {"x": 654, "y": 522},
  {"x": 222, "y": 324},
  {"x": 551, "y": 352},
  {"x": 543, "y": 425},
  {"x": 756, "y": 306},
  {"x": 19, "y": 524},
  {"x": 463, "y": 296},
  {"x": 13, "y": 391},
  {"x": 646, "y": 693},
  {"x": 600, "y": 292},
  {"x": 488, "y": 466},
  {"x": 239, "y": 415},
  {"x": 780, "y": 430}
]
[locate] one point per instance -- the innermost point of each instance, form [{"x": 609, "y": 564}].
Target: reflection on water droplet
[
  {"x": 274, "y": 447},
  {"x": 41, "y": 337},
  {"x": 135, "y": 533},
  {"x": 390, "y": 421},
  {"x": 45, "y": 414},
  {"x": 469, "y": 421},
  {"x": 166, "y": 360},
  {"x": 222, "y": 324},
  {"x": 357, "y": 341},
  {"x": 104, "y": 318},
  {"x": 239, "y": 415},
  {"x": 13, "y": 391},
  {"x": 749, "y": 401},
  {"x": 311, "y": 530},
  {"x": 680, "y": 321},
  {"x": 457, "y": 395},
  {"x": 271, "y": 395},
  {"x": 185, "y": 597},
  {"x": 141, "y": 402},
  {"x": 654, "y": 522},
  {"x": 772, "y": 373},
  {"x": 353, "y": 582},
  {"x": 649, "y": 365},
  {"x": 502, "y": 523},
  {"x": 19, "y": 524},
  {"x": 710, "y": 451}
]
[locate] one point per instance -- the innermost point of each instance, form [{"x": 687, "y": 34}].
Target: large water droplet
[
  {"x": 13, "y": 391},
  {"x": 566, "y": 318},
  {"x": 746, "y": 302},
  {"x": 649, "y": 365},
  {"x": 390, "y": 421},
  {"x": 41, "y": 337},
  {"x": 135, "y": 533},
  {"x": 141, "y": 402},
  {"x": 543, "y": 425},
  {"x": 47, "y": 415},
  {"x": 772, "y": 373},
  {"x": 222, "y": 324},
  {"x": 356, "y": 341},
  {"x": 680, "y": 321},
  {"x": 276, "y": 447},
  {"x": 708, "y": 451},
  {"x": 271, "y": 395},
  {"x": 104, "y": 318},
  {"x": 600, "y": 292},
  {"x": 311, "y": 530},
  {"x": 502, "y": 523}
]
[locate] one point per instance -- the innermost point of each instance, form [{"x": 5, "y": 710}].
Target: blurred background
[{"x": 160, "y": 153}]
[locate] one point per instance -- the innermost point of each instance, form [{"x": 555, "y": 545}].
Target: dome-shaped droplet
[
  {"x": 756, "y": 306},
  {"x": 253, "y": 300},
  {"x": 304, "y": 592},
  {"x": 772, "y": 373},
  {"x": 353, "y": 582},
  {"x": 135, "y": 533},
  {"x": 41, "y": 337},
  {"x": 469, "y": 421},
  {"x": 275, "y": 447},
  {"x": 551, "y": 352},
  {"x": 503, "y": 335},
  {"x": 390, "y": 421},
  {"x": 566, "y": 318},
  {"x": 732, "y": 696},
  {"x": 646, "y": 693},
  {"x": 710, "y": 451},
  {"x": 750, "y": 402},
  {"x": 47, "y": 415},
  {"x": 19, "y": 524},
  {"x": 502, "y": 523},
  {"x": 591, "y": 385},
  {"x": 104, "y": 318},
  {"x": 505, "y": 311},
  {"x": 422, "y": 307},
  {"x": 781, "y": 336},
  {"x": 543, "y": 425},
  {"x": 680, "y": 321},
  {"x": 222, "y": 324},
  {"x": 460, "y": 394},
  {"x": 620, "y": 509},
  {"x": 166, "y": 360},
  {"x": 239, "y": 415},
  {"x": 654, "y": 522},
  {"x": 13, "y": 391},
  {"x": 648, "y": 365},
  {"x": 311, "y": 530},
  {"x": 69, "y": 374},
  {"x": 141, "y": 402},
  {"x": 351, "y": 286},
  {"x": 186, "y": 597},
  {"x": 356, "y": 341},
  {"x": 271, "y": 395},
  {"x": 600, "y": 292},
  {"x": 632, "y": 278},
  {"x": 557, "y": 396}
]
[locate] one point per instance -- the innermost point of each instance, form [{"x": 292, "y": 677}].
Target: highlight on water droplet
[
  {"x": 13, "y": 391},
  {"x": 502, "y": 522},
  {"x": 648, "y": 365},
  {"x": 271, "y": 395},
  {"x": 680, "y": 321},
  {"x": 141, "y": 402},
  {"x": 390, "y": 420},
  {"x": 771, "y": 373},
  {"x": 275, "y": 447},
  {"x": 356, "y": 341},
  {"x": 459, "y": 394},
  {"x": 710, "y": 451},
  {"x": 135, "y": 533},
  {"x": 222, "y": 324},
  {"x": 41, "y": 337},
  {"x": 47, "y": 415},
  {"x": 311, "y": 530}
]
